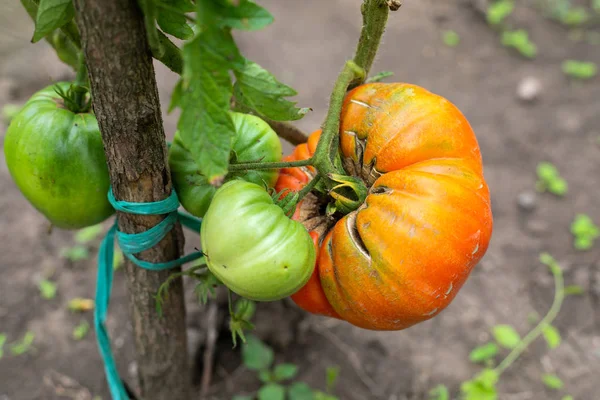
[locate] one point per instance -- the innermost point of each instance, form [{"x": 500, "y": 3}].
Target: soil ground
[{"x": 306, "y": 47}]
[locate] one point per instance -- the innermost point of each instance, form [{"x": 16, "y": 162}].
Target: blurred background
[{"x": 505, "y": 70}]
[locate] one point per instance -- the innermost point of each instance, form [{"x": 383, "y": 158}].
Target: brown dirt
[{"x": 306, "y": 48}]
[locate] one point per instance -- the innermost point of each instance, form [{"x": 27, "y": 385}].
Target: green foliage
[
  {"x": 552, "y": 336},
  {"x": 498, "y": 11},
  {"x": 575, "y": 16},
  {"x": 51, "y": 15},
  {"x": 24, "y": 345},
  {"x": 206, "y": 286},
  {"x": 206, "y": 88},
  {"x": 81, "y": 330},
  {"x": 550, "y": 180},
  {"x": 574, "y": 290},
  {"x": 481, "y": 387},
  {"x": 171, "y": 17},
  {"x": 259, "y": 357},
  {"x": 240, "y": 318},
  {"x": 506, "y": 336},
  {"x": 519, "y": 40},
  {"x": 552, "y": 381},
  {"x": 579, "y": 69},
  {"x": 440, "y": 392},
  {"x": 75, "y": 253},
  {"x": 2, "y": 342},
  {"x": 89, "y": 234},
  {"x": 584, "y": 232},
  {"x": 484, "y": 353},
  {"x": 451, "y": 38},
  {"x": 47, "y": 289}
]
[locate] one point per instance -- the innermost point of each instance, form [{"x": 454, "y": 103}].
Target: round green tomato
[
  {"x": 252, "y": 246},
  {"x": 254, "y": 141},
  {"x": 57, "y": 160}
]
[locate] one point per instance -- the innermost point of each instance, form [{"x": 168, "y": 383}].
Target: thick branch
[{"x": 127, "y": 107}]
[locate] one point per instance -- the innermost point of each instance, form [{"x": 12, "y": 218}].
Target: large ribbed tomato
[{"x": 403, "y": 255}]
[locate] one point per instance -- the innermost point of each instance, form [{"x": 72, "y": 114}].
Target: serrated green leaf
[
  {"x": 259, "y": 90},
  {"x": 579, "y": 69},
  {"x": 256, "y": 355},
  {"x": 552, "y": 381},
  {"x": 171, "y": 19},
  {"x": 285, "y": 371},
  {"x": 81, "y": 330},
  {"x": 552, "y": 336},
  {"x": 247, "y": 15},
  {"x": 271, "y": 391},
  {"x": 47, "y": 289},
  {"x": 75, "y": 253},
  {"x": 574, "y": 290},
  {"x": 205, "y": 124},
  {"x": 331, "y": 377},
  {"x": 24, "y": 345},
  {"x": 440, "y": 392},
  {"x": 451, "y": 38},
  {"x": 300, "y": 391},
  {"x": 484, "y": 352},
  {"x": 88, "y": 234},
  {"x": 51, "y": 15},
  {"x": 506, "y": 336}
]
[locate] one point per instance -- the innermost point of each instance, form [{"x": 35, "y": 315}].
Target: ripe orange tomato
[{"x": 402, "y": 256}]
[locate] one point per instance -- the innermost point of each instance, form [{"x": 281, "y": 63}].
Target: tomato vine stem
[
  {"x": 375, "y": 14},
  {"x": 269, "y": 165},
  {"x": 559, "y": 295}
]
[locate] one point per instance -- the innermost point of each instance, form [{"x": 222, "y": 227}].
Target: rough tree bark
[{"x": 127, "y": 107}]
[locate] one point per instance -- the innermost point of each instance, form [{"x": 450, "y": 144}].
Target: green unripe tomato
[
  {"x": 252, "y": 246},
  {"x": 57, "y": 161},
  {"x": 254, "y": 140}
]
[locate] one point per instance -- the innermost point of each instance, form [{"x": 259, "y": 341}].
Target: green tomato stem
[
  {"x": 310, "y": 186},
  {"x": 81, "y": 80},
  {"x": 559, "y": 295},
  {"x": 328, "y": 145},
  {"x": 269, "y": 165},
  {"x": 375, "y": 15}
]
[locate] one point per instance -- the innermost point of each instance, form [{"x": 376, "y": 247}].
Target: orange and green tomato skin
[{"x": 404, "y": 254}]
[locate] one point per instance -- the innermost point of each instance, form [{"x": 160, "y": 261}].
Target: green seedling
[
  {"x": 24, "y": 345},
  {"x": 584, "y": 232},
  {"x": 519, "y": 40},
  {"x": 498, "y": 11},
  {"x": 552, "y": 381},
  {"x": 81, "y": 330},
  {"x": 550, "y": 180},
  {"x": 47, "y": 289},
  {"x": 451, "y": 38},
  {"x": 75, "y": 253},
  {"x": 579, "y": 69}
]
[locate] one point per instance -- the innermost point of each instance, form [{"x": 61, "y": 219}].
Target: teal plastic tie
[{"x": 131, "y": 244}]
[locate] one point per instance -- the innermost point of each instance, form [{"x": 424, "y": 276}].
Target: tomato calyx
[
  {"x": 75, "y": 99},
  {"x": 349, "y": 194}
]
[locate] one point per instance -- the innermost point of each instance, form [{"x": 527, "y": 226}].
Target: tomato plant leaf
[
  {"x": 205, "y": 125},
  {"x": 51, "y": 15},
  {"x": 265, "y": 376},
  {"x": 47, "y": 289},
  {"x": 285, "y": 371},
  {"x": 271, "y": 391},
  {"x": 481, "y": 387},
  {"x": 552, "y": 381},
  {"x": 171, "y": 18},
  {"x": 259, "y": 90},
  {"x": 440, "y": 392},
  {"x": 552, "y": 336},
  {"x": 482, "y": 353},
  {"x": 300, "y": 391},
  {"x": 256, "y": 355},
  {"x": 506, "y": 336},
  {"x": 247, "y": 15}
]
